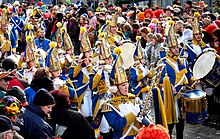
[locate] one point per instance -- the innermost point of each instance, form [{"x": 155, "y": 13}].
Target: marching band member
[
  {"x": 34, "y": 20},
  {"x": 67, "y": 59},
  {"x": 79, "y": 74},
  {"x": 139, "y": 72},
  {"x": 115, "y": 38},
  {"x": 7, "y": 36},
  {"x": 196, "y": 47},
  {"x": 29, "y": 58},
  {"x": 121, "y": 110},
  {"x": 60, "y": 81},
  {"x": 174, "y": 77},
  {"x": 100, "y": 83}
]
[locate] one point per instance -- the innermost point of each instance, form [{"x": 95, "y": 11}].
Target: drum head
[
  {"x": 204, "y": 64},
  {"x": 127, "y": 54},
  {"x": 193, "y": 94}
]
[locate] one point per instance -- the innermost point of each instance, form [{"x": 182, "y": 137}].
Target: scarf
[{"x": 200, "y": 43}]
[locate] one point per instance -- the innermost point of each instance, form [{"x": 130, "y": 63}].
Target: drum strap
[
  {"x": 190, "y": 48},
  {"x": 183, "y": 77}
]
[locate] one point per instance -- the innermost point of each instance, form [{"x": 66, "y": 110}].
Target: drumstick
[{"x": 191, "y": 85}]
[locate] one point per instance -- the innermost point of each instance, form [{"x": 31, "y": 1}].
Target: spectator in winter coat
[
  {"x": 77, "y": 127},
  {"x": 33, "y": 123}
]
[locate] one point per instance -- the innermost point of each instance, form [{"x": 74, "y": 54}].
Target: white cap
[{"x": 177, "y": 10}]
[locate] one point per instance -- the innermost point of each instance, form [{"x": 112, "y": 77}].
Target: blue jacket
[
  {"x": 29, "y": 93},
  {"x": 43, "y": 45},
  {"x": 33, "y": 124}
]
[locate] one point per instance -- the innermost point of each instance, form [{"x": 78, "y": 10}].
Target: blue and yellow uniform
[
  {"x": 118, "y": 113},
  {"x": 114, "y": 39},
  {"x": 69, "y": 88},
  {"x": 138, "y": 76},
  {"x": 194, "y": 49},
  {"x": 139, "y": 73},
  {"x": 99, "y": 84},
  {"x": 8, "y": 41},
  {"x": 80, "y": 76}
]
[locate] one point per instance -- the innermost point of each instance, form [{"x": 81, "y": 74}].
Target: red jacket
[{"x": 15, "y": 82}]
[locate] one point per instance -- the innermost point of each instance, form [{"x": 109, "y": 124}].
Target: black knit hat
[
  {"x": 17, "y": 92},
  {"x": 6, "y": 124},
  {"x": 43, "y": 98},
  {"x": 8, "y": 64}
]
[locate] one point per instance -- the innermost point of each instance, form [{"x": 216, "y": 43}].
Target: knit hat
[
  {"x": 43, "y": 98},
  {"x": 6, "y": 124},
  {"x": 17, "y": 92},
  {"x": 8, "y": 64}
]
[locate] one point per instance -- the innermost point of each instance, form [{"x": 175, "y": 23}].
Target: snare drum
[
  {"x": 207, "y": 68},
  {"x": 194, "y": 106}
]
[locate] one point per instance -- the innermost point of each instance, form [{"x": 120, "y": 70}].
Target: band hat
[
  {"x": 118, "y": 73},
  {"x": 30, "y": 49},
  {"x": 196, "y": 24},
  {"x": 67, "y": 43},
  {"x": 104, "y": 51},
  {"x": 52, "y": 59},
  {"x": 85, "y": 43},
  {"x": 171, "y": 38},
  {"x": 138, "y": 54},
  {"x": 58, "y": 35}
]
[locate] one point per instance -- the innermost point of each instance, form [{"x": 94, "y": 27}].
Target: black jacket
[
  {"x": 77, "y": 126},
  {"x": 33, "y": 124}
]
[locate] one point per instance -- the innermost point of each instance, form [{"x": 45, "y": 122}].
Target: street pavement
[{"x": 199, "y": 132}]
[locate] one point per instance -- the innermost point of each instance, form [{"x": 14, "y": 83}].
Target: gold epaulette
[
  {"x": 131, "y": 96},
  {"x": 106, "y": 108}
]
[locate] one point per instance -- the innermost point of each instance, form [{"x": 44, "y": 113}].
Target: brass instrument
[{"x": 149, "y": 98}]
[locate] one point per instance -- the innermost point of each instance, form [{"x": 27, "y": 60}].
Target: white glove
[
  {"x": 145, "y": 72},
  {"x": 99, "y": 71},
  {"x": 136, "y": 110},
  {"x": 141, "y": 67}
]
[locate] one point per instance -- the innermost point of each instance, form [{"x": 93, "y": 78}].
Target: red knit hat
[{"x": 210, "y": 28}]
